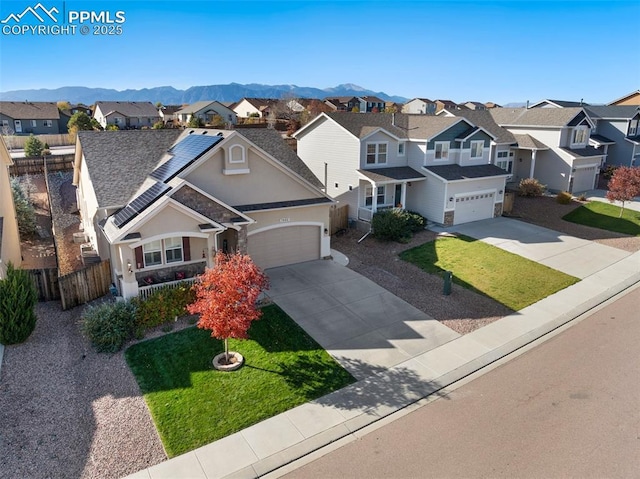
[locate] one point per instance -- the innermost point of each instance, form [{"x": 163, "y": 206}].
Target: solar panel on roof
[
  {"x": 184, "y": 154},
  {"x": 140, "y": 203}
]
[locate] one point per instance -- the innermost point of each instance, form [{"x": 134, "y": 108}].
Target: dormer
[
  {"x": 634, "y": 126},
  {"x": 579, "y": 130}
]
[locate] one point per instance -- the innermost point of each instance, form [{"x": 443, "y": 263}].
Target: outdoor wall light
[
  {"x": 500, "y": 192},
  {"x": 129, "y": 268},
  {"x": 451, "y": 199}
]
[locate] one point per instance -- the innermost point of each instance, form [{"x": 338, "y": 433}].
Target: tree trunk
[
  {"x": 621, "y": 210},
  {"x": 226, "y": 350}
]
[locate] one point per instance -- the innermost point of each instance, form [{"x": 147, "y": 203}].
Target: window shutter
[
  {"x": 139, "y": 258},
  {"x": 186, "y": 248}
]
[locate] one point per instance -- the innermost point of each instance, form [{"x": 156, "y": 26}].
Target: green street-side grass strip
[
  {"x": 505, "y": 277},
  {"x": 605, "y": 216},
  {"x": 192, "y": 404}
]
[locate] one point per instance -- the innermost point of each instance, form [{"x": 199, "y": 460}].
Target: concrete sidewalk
[
  {"x": 399, "y": 370},
  {"x": 600, "y": 195}
]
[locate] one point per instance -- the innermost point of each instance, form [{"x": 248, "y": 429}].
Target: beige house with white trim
[
  {"x": 9, "y": 235},
  {"x": 164, "y": 220}
]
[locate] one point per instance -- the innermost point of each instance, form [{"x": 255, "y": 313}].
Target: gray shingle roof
[
  {"x": 402, "y": 125},
  {"x": 602, "y": 140},
  {"x": 119, "y": 161},
  {"x": 39, "y": 110},
  {"x": 194, "y": 107},
  {"x": 558, "y": 117},
  {"x": 562, "y": 103},
  {"x": 583, "y": 152},
  {"x": 483, "y": 119},
  {"x": 610, "y": 112},
  {"x": 527, "y": 142},
  {"x": 457, "y": 172},
  {"x": 393, "y": 173},
  {"x": 271, "y": 142},
  {"x": 129, "y": 108},
  {"x": 283, "y": 204}
]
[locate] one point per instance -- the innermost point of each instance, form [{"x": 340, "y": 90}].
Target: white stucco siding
[
  {"x": 553, "y": 169},
  {"x": 264, "y": 183},
  {"x": 314, "y": 214},
  {"x": 244, "y": 109},
  {"x": 330, "y": 143},
  {"x": 167, "y": 221}
]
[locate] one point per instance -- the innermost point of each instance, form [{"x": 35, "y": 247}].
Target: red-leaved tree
[
  {"x": 624, "y": 185},
  {"x": 226, "y": 297}
]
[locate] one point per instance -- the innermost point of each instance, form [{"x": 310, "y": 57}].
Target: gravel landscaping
[{"x": 68, "y": 412}]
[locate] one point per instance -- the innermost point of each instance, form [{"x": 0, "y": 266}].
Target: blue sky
[{"x": 501, "y": 51}]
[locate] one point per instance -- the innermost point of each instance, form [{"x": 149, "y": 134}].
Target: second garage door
[
  {"x": 473, "y": 208},
  {"x": 285, "y": 245}
]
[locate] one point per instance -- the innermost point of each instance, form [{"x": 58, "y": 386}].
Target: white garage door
[
  {"x": 473, "y": 208},
  {"x": 285, "y": 245},
  {"x": 584, "y": 179}
]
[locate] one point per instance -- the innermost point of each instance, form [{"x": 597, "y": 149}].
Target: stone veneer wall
[
  {"x": 497, "y": 210},
  {"x": 448, "y": 218},
  {"x": 203, "y": 205}
]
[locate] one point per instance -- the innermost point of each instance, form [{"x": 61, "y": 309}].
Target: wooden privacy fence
[
  {"x": 85, "y": 285},
  {"x": 23, "y": 166},
  {"x": 17, "y": 141},
  {"x": 338, "y": 218},
  {"x": 75, "y": 288}
]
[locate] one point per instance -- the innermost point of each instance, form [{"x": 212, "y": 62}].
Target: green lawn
[
  {"x": 509, "y": 279},
  {"x": 192, "y": 404},
  {"x": 606, "y": 217}
]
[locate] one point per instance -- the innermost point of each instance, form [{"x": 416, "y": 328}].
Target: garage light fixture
[{"x": 451, "y": 199}]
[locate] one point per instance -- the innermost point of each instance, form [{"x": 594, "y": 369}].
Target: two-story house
[
  {"x": 25, "y": 118},
  {"x": 559, "y": 154},
  {"x": 126, "y": 114},
  {"x": 617, "y": 133},
  {"x": 258, "y": 107},
  {"x": 632, "y": 98},
  {"x": 436, "y": 165},
  {"x": 160, "y": 204},
  {"x": 421, "y": 106}
]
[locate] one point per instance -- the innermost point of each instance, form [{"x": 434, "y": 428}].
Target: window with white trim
[
  {"x": 34, "y": 123},
  {"x": 380, "y": 195},
  {"x": 152, "y": 253},
  {"x": 633, "y": 127},
  {"x": 442, "y": 150},
  {"x": 48, "y": 123},
  {"x": 173, "y": 249},
  {"x": 400, "y": 149},
  {"x": 376, "y": 153},
  {"x": 117, "y": 120},
  {"x": 5, "y": 122},
  {"x": 236, "y": 154},
  {"x": 477, "y": 148},
  {"x": 579, "y": 135}
]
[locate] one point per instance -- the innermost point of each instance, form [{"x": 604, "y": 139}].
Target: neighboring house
[
  {"x": 253, "y": 107},
  {"x": 343, "y": 103},
  {"x": 491, "y": 104},
  {"x": 167, "y": 113},
  {"x": 207, "y": 111},
  {"x": 65, "y": 115},
  {"x": 553, "y": 146},
  {"x": 126, "y": 115},
  {"x": 446, "y": 104},
  {"x": 435, "y": 165},
  {"x": 558, "y": 104},
  {"x": 617, "y": 131},
  {"x": 392, "y": 107},
  {"x": 9, "y": 236},
  {"x": 422, "y": 106},
  {"x": 161, "y": 203},
  {"x": 474, "y": 105},
  {"x": 24, "y": 118},
  {"x": 632, "y": 98},
  {"x": 370, "y": 104}
]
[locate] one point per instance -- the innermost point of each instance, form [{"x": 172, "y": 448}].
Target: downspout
[{"x": 326, "y": 187}]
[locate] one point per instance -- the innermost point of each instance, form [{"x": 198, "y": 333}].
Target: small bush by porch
[
  {"x": 192, "y": 404},
  {"x": 509, "y": 279}
]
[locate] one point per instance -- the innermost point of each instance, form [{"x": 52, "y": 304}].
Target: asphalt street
[{"x": 569, "y": 407}]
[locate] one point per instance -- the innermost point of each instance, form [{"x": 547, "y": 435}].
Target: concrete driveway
[
  {"x": 362, "y": 325},
  {"x": 575, "y": 256}
]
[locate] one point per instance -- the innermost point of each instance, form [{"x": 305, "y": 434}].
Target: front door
[
  {"x": 398, "y": 196},
  {"x": 18, "y": 125}
]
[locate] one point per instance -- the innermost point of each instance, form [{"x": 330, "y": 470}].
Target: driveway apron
[{"x": 362, "y": 325}]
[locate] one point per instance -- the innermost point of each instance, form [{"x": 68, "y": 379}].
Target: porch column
[
  {"x": 374, "y": 199},
  {"x": 403, "y": 195},
  {"x": 533, "y": 163},
  {"x": 212, "y": 245}
]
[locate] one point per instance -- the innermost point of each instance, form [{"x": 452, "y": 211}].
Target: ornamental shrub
[
  {"x": 18, "y": 298},
  {"x": 162, "y": 306},
  {"x": 396, "y": 224},
  {"x": 110, "y": 325},
  {"x": 25, "y": 211},
  {"x": 531, "y": 187},
  {"x": 564, "y": 198},
  {"x": 33, "y": 146}
]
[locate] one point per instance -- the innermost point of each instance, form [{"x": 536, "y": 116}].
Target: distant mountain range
[{"x": 172, "y": 96}]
